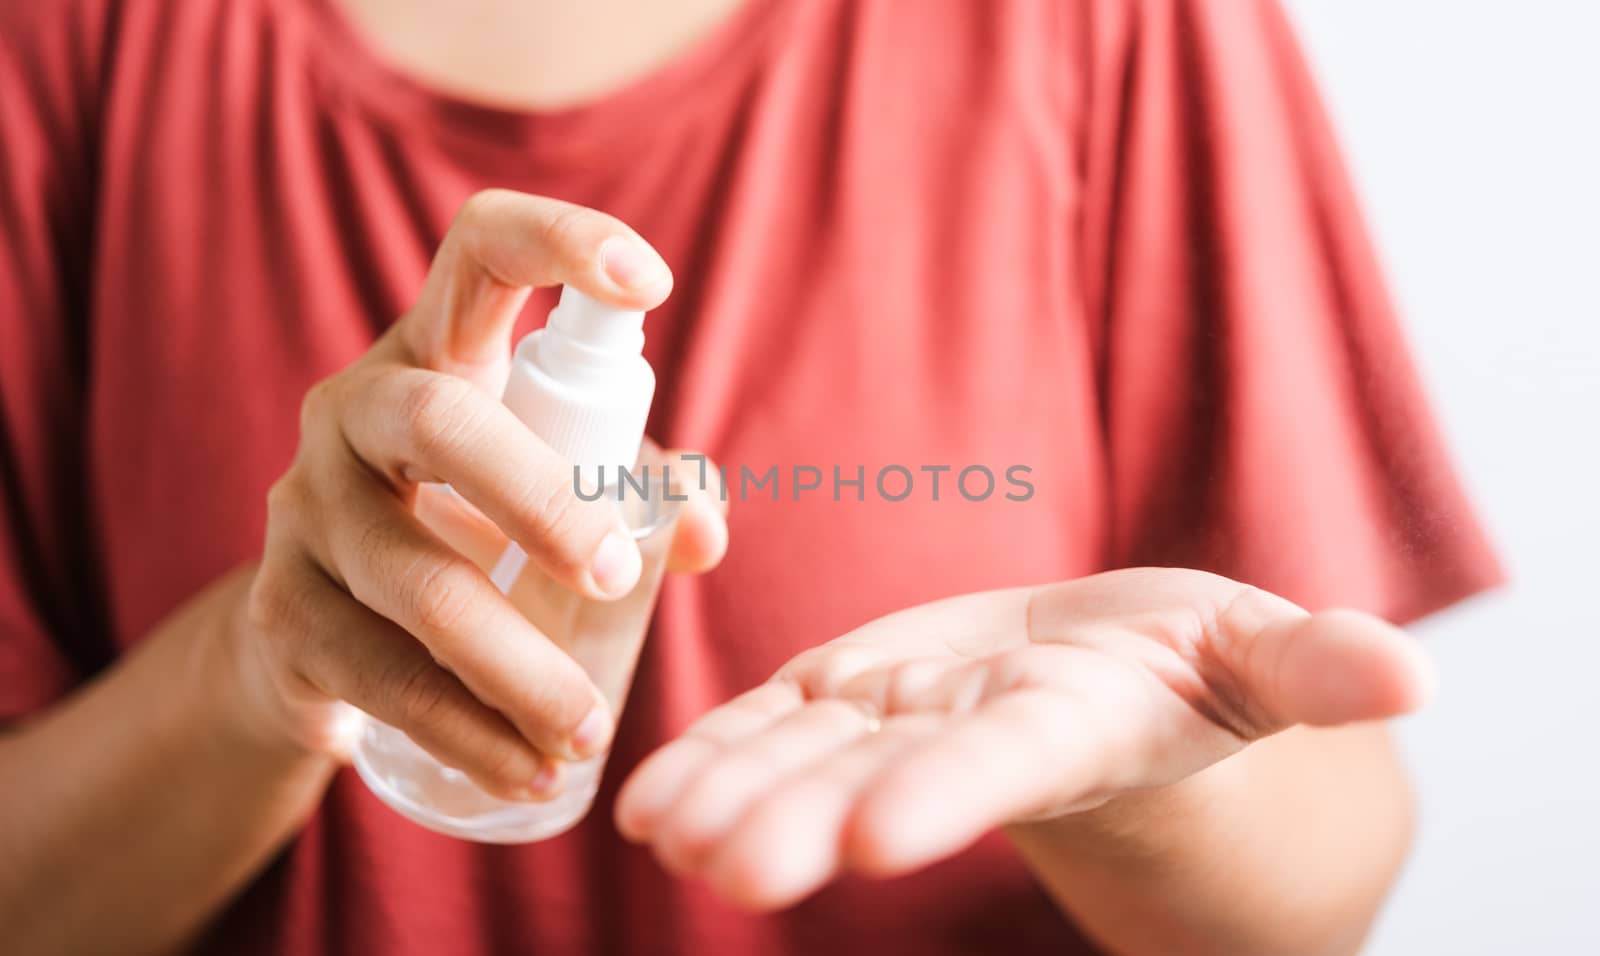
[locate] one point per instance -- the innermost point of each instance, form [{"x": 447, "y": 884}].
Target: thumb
[
  {"x": 1323, "y": 669},
  {"x": 502, "y": 245}
]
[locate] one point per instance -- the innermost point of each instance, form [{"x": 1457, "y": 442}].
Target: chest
[{"x": 876, "y": 328}]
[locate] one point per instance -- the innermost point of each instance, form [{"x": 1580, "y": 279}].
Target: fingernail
[
  {"x": 631, "y": 264},
  {"x": 546, "y": 782},
  {"x": 616, "y": 565},
  {"x": 593, "y": 733}
]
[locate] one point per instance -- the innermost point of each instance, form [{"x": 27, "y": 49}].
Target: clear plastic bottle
[{"x": 582, "y": 385}]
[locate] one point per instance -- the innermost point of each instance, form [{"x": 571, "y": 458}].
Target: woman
[{"x": 1106, "y": 242}]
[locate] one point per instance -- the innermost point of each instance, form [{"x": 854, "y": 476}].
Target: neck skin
[{"x": 533, "y": 54}]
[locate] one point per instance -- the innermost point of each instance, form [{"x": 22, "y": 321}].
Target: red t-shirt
[{"x": 1107, "y": 240}]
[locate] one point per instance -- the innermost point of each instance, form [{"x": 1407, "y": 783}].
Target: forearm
[
  {"x": 1289, "y": 846},
  {"x": 136, "y": 808}
]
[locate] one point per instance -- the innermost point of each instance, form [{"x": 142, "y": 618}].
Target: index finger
[{"x": 503, "y": 244}]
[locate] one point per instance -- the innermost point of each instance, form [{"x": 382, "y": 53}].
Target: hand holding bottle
[{"x": 356, "y": 600}]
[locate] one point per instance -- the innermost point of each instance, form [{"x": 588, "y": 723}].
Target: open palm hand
[{"x": 907, "y": 739}]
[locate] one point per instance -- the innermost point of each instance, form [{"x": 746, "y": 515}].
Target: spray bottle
[{"x": 583, "y": 386}]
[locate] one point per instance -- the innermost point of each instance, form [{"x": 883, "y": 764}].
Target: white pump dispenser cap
[{"x": 581, "y": 383}]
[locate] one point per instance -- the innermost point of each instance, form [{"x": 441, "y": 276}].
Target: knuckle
[
  {"x": 440, "y": 596},
  {"x": 376, "y": 542},
  {"x": 279, "y": 609},
  {"x": 270, "y": 603},
  {"x": 569, "y": 226},
  {"x": 480, "y": 205},
  {"x": 558, "y": 518},
  {"x": 418, "y": 693},
  {"x": 286, "y": 499},
  {"x": 433, "y": 412},
  {"x": 318, "y": 405}
]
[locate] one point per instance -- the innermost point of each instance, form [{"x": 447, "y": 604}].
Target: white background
[{"x": 1473, "y": 129}]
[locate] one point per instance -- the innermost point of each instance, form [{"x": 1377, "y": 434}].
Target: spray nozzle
[
  {"x": 582, "y": 384},
  {"x": 596, "y": 325}
]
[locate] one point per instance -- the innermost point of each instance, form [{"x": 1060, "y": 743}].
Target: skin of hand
[
  {"x": 908, "y": 739},
  {"x": 138, "y": 805},
  {"x": 355, "y": 600}
]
